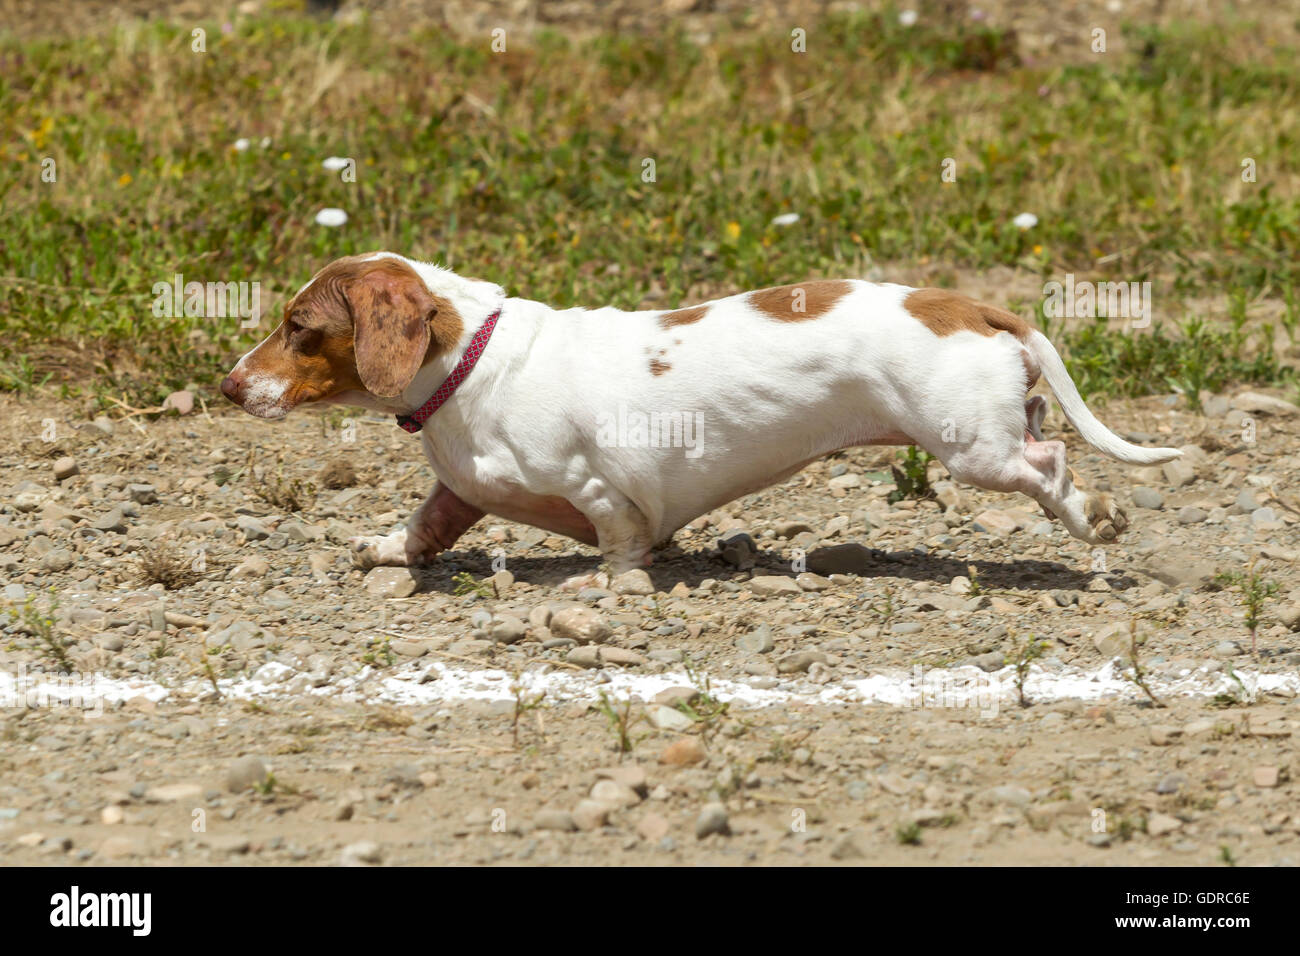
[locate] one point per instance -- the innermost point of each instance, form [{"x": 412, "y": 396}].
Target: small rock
[
  {"x": 245, "y": 773},
  {"x": 65, "y": 467},
  {"x": 561, "y": 820},
  {"x": 757, "y": 641},
  {"x": 712, "y": 819},
  {"x": 590, "y": 814},
  {"x": 1148, "y": 498},
  {"x": 738, "y": 549},
  {"x": 683, "y": 753},
  {"x": 634, "y": 582},
  {"x": 1267, "y": 777},
  {"x": 1158, "y": 824},
  {"x": 668, "y": 718},
  {"x": 800, "y": 661},
  {"x": 652, "y": 827},
  {"x": 362, "y": 853}
]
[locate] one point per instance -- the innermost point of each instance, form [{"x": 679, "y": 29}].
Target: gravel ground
[{"x": 285, "y": 707}]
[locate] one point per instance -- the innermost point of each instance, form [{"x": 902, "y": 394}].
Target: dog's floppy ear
[{"x": 391, "y": 313}]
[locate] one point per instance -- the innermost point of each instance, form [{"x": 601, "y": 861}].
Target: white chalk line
[{"x": 416, "y": 683}]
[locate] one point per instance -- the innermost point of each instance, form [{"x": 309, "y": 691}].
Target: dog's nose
[{"x": 230, "y": 388}]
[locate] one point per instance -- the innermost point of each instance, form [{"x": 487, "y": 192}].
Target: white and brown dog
[{"x": 757, "y": 385}]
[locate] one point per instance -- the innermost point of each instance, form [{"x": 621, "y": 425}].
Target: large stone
[
  {"x": 391, "y": 582},
  {"x": 841, "y": 559},
  {"x": 580, "y": 624},
  {"x": 773, "y": 584}
]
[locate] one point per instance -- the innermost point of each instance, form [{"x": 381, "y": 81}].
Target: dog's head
[{"x": 357, "y": 333}]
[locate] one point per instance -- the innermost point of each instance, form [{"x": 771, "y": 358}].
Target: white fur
[{"x": 770, "y": 396}]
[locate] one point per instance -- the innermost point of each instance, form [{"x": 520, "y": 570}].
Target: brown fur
[
  {"x": 944, "y": 312},
  {"x": 366, "y": 325},
  {"x": 682, "y": 316},
  {"x": 785, "y": 305},
  {"x": 658, "y": 368}
]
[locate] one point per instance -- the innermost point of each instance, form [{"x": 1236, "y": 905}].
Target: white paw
[{"x": 386, "y": 550}]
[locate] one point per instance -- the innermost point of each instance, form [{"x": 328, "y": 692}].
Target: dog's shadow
[{"x": 673, "y": 566}]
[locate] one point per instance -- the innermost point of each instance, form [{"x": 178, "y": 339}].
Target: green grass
[{"x": 526, "y": 168}]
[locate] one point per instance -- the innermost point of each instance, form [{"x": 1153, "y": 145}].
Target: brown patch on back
[
  {"x": 944, "y": 312},
  {"x": 682, "y": 316},
  {"x": 802, "y": 302},
  {"x": 657, "y": 367}
]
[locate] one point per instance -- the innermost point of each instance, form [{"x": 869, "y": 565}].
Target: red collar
[{"x": 415, "y": 421}]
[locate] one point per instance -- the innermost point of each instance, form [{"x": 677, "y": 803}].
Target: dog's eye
[{"x": 304, "y": 340}]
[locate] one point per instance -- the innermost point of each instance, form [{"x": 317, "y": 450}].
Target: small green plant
[
  {"x": 524, "y": 702},
  {"x": 1239, "y": 696},
  {"x": 704, "y": 708},
  {"x": 465, "y": 583},
  {"x": 913, "y": 479},
  {"x": 42, "y": 626},
  {"x": 884, "y": 608},
  {"x": 908, "y": 834},
  {"x": 1026, "y": 653},
  {"x": 1225, "y": 855},
  {"x": 619, "y": 717},
  {"x": 1136, "y": 675},
  {"x": 1255, "y": 590},
  {"x": 379, "y": 653}
]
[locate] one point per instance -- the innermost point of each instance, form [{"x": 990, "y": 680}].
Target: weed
[
  {"x": 1255, "y": 590},
  {"x": 43, "y": 626},
  {"x": 166, "y": 564},
  {"x": 465, "y": 583},
  {"x": 1137, "y": 675},
  {"x": 913, "y": 479},
  {"x": 1025, "y": 654}
]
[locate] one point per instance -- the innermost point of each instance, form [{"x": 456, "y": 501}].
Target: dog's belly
[
  {"x": 546, "y": 512},
  {"x": 747, "y": 484}
]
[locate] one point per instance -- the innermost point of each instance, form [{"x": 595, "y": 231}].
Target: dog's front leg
[{"x": 432, "y": 529}]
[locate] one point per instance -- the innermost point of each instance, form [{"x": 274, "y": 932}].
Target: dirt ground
[{"x": 383, "y": 728}]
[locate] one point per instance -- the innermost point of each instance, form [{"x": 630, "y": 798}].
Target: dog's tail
[{"x": 1094, "y": 432}]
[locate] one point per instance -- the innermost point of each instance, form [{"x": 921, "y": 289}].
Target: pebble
[
  {"x": 683, "y": 753},
  {"x": 65, "y": 467},
  {"x": 712, "y": 819},
  {"x": 362, "y": 853},
  {"x": 757, "y": 641},
  {"x": 652, "y": 827},
  {"x": 1148, "y": 498},
  {"x": 245, "y": 773},
  {"x": 634, "y": 582},
  {"x": 800, "y": 661}
]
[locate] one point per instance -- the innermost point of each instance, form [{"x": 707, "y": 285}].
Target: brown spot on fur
[
  {"x": 802, "y": 302},
  {"x": 658, "y": 368},
  {"x": 682, "y": 316},
  {"x": 944, "y": 312}
]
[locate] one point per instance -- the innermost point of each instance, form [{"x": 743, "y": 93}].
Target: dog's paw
[
  {"x": 380, "y": 550},
  {"x": 1106, "y": 518}
]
